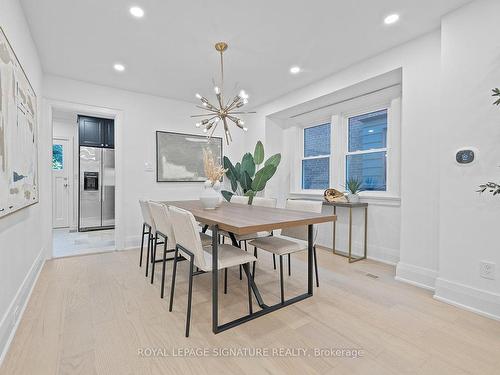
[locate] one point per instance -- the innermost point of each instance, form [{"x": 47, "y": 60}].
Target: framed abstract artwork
[
  {"x": 18, "y": 134},
  {"x": 179, "y": 157}
]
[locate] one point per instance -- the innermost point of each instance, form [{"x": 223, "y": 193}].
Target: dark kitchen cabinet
[
  {"x": 96, "y": 132},
  {"x": 109, "y": 133}
]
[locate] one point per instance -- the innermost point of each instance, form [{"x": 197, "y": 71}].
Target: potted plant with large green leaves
[
  {"x": 251, "y": 175},
  {"x": 492, "y": 187}
]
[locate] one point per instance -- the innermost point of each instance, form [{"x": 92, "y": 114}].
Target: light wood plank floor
[{"x": 96, "y": 314}]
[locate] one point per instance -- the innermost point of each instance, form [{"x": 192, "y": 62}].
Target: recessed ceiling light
[
  {"x": 137, "y": 12},
  {"x": 392, "y": 18},
  {"x": 295, "y": 70},
  {"x": 119, "y": 67}
]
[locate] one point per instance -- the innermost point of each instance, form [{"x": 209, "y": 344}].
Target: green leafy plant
[
  {"x": 492, "y": 187},
  {"x": 496, "y": 93},
  {"x": 251, "y": 175},
  {"x": 354, "y": 185}
]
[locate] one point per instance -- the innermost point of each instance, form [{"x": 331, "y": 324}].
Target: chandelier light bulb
[
  {"x": 243, "y": 94},
  {"x": 245, "y": 101},
  {"x": 205, "y": 130},
  {"x": 217, "y": 90},
  {"x": 245, "y": 129},
  {"x": 198, "y": 124},
  {"x": 241, "y": 122}
]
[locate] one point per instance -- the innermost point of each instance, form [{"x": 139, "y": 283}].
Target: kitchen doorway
[{"x": 83, "y": 183}]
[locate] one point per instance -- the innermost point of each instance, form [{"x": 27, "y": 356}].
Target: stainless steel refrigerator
[{"x": 97, "y": 188}]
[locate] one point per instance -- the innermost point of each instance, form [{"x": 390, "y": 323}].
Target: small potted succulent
[
  {"x": 210, "y": 197},
  {"x": 353, "y": 187}
]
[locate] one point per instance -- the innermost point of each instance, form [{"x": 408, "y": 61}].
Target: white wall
[
  {"x": 23, "y": 236},
  {"x": 392, "y": 233},
  {"x": 469, "y": 222},
  {"x": 141, "y": 116}
]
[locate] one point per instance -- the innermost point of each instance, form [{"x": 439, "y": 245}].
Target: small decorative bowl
[{"x": 333, "y": 195}]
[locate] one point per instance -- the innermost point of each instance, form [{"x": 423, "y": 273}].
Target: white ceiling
[{"x": 170, "y": 51}]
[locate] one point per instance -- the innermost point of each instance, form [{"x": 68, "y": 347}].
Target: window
[
  {"x": 57, "y": 157},
  {"x": 316, "y": 157},
  {"x": 366, "y": 157}
]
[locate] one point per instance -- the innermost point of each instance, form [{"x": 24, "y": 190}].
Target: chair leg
[
  {"x": 142, "y": 243},
  {"x": 281, "y": 280},
  {"x": 153, "y": 255},
  {"x": 163, "y": 268},
  {"x": 241, "y": 275},
  {"x": 274, "y": 261},
  {"x": 289, "y": 265},
  {"x": 147, "y": 254},
  {"x": 255, "y": 255},
  {"x": 225, "y": 280},
  {"x": 190, "y": 295},
  {"x": 172, "y": 287},
  {"x": 316, "y": 266},
  {"x": 247, "y": 271}
]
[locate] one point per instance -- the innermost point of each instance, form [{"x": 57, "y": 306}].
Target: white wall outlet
[
  {"x": 487, "y": 270},
  {"x": 148, "y": 167}
]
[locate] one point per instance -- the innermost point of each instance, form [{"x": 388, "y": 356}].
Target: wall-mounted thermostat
[{"x": 466, "y": 155}]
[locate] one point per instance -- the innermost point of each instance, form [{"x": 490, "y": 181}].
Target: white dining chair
[
  {"x": 257, "y": 201},
  {"x": 282, "y": 246},
  {"x": 190, "y": 247},
  {"x": 163, "y": 224},
  {"x": 149, "y": 229},
  {"x": 164, "y": 229}
]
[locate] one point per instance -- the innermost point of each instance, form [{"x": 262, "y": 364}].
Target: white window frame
[
  {"x": 369, "y": 151},
  {"x": 392, "y": 148},
  {"x": 303, "y": 157},
  {"x": 339, "y": 150}
]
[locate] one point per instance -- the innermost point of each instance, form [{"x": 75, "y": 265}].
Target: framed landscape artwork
[
  {"x": 18, "y": 134},
  {"x": 179, "y": 157}
]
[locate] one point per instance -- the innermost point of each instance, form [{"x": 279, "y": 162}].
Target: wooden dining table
[{"x": 241, "y": 219}]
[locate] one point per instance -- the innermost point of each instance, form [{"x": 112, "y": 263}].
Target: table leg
[
  {"x": 216, "y": 328},
  {"x": 215, "y": 279},
  {"x": 350, "y": 234},
  {"x": 334, "y": 228},
  {"x": 310, "y": 239},
  {"x": 366, "y": 229}
]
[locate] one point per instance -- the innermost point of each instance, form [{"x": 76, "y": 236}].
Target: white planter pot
[
  {"x": 353, "y": 198},
  {"x": 209, "y": 198}
]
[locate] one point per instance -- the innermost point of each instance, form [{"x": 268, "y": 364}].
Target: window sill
[{"x": 372, "y": 199}]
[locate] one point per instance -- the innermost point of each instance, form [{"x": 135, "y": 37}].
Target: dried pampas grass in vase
[{"x": 213, "y": 171}]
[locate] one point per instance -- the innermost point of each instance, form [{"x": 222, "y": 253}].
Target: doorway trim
[{"x": 90, "y": 110}]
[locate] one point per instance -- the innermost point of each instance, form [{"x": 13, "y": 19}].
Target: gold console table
[{"x": 350, "y": 206}]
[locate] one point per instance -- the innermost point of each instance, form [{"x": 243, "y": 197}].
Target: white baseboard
[
  {"x": 133, "y": 242},
  {"x": 12, "y": 317},
  {"x": 466, "y": 297},
  {"x": 383, "y": 254},
  {"x": 415, "y": 275}
]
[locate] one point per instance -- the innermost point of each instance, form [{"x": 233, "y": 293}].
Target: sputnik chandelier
[{"x": 223, "y": 111}]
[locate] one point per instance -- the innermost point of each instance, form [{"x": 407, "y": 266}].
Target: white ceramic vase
[
  {"x": 353, "y": 198},
  {"x": 210, "y": 197}
]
